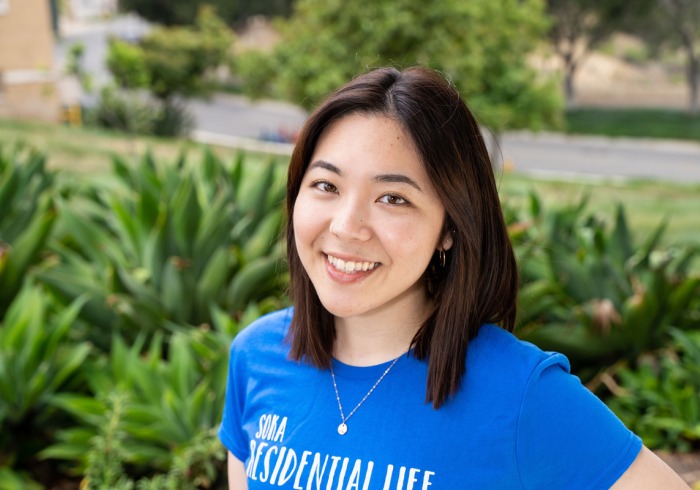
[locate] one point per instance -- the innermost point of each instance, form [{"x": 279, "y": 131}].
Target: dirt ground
[{"x": 605, "y": 81}]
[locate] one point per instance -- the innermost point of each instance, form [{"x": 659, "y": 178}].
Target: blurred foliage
[
  {"x": 673, "y": 25},
  {"x": 113, "y": 349},
  {"x": 148, "y": 409},
  {"x": 166, "y": 242},
  {"x": 579, "y": 26},
  {"x": 117, "y": 340},
  {"x": 182, "y": 12},
  {"x": 591, "y": 292},
  {"x": 127, "y": 63},
  {"x": 658, "y": 399},
  {"x": 26, "y": 219},
  {"x": 170, "y": 63},
  {"x": 135, "y": 113},
  {"x": 636, "y": 122},
  {"x": 482, "y": 46},
  {"x": 38, "y": 360},
  {"x": 74, "y": 65}
]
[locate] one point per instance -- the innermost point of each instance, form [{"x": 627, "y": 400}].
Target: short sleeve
[
  {"x": 231, "y": 430},
  {"x": 566, "y": 437}
]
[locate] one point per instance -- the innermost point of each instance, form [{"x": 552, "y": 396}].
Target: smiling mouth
[{"x": 350, "y": 267}]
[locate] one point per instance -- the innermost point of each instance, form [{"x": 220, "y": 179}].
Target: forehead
[{"x": 369, "y": 142}]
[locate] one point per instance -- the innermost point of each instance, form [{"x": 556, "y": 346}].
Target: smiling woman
[
  {"x": 396, "y": 368},
  {"x": 367, "y": 223}
]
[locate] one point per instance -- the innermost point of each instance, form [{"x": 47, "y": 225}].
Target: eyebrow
[
  {"x": 325, "y": 165},
  {"x": 398, "y": 178},
  {"x": 387, "y": 178}
]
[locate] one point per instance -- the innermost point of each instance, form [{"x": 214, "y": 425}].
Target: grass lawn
[
  {"x": 90, "y": 151},
  {"x": 644, "y": 123},
  {"x": 646, "y": 203}
]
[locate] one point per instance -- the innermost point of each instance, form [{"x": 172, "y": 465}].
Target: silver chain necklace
[{"x": 343, "y": 428}]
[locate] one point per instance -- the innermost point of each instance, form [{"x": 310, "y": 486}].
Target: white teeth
[{"x": 349, "y": 266}]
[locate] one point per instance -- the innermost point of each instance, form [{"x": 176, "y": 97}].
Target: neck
[{"x": 377, "y": 337}]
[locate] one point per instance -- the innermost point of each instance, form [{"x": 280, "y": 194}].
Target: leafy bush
[
  {"x": 173, "y": 119},
  {"x": 170, "y": 63},
  {"x": 166, "y": 243},
  {"x": 127, "y": 64},
  {"x": 134, "y": 112},
  {"x": 659, "y": 399},
  {"x": 26, "y": 219},
  {"x": 123, "y": 111},
  {"x": 482, "y": 46},
  {"x": 593, "y": 294},
  {"x": 149, "y": 412},
  {"x": 38, "y": 360}
]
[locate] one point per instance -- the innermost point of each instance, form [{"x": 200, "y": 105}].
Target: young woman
[{"x": 389, "y": 372}]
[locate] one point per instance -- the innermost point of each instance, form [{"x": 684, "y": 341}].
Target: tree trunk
[
  {"x": 569, "y": 71},
  {"x": 569, "y": 89},
  {"x": 687, "y": 35},
  {"x": 693, "y": 81}
]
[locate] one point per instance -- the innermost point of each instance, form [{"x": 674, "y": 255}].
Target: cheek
[
  {"x": 410, "y": 245},
  {"x": 306, "y": 224},
  {"x": 411, "y": 235}
]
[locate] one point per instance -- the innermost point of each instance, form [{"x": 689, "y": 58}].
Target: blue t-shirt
[{"x": 520, "y": 421}]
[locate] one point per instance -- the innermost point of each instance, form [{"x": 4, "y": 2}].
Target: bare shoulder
[{"x": 650, "y": 472}]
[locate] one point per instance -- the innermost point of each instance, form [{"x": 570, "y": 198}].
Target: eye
[
  {"x": 393, "y": 199},
  {"x": 324, "y": 186}
]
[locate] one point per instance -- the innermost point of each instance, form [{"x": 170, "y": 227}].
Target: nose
[{"x": 350, "y": 221}]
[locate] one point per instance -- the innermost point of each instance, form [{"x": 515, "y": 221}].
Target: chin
[{"x": 341, "y": 311}]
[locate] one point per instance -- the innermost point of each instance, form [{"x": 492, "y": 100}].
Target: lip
[{"x": 346, "y": 277}]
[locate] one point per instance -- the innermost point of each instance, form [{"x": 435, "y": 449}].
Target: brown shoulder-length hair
[{"x": 479, "y": 281}]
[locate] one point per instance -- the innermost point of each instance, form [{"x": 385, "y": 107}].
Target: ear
[{"x": 447, "y": 241}]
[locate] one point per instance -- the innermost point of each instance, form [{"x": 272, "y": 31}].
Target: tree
[
  {"x": 676, "y": 24},
  {"x": 173, "y": 62},
  {"x": 481, "y": 45},
  {"x": 579, "y": 26},
  {"x": 184, "y": 12}
]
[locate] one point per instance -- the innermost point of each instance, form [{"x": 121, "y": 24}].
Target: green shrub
[
  {"x": 38, "y": 360},
  {"x": 26, "y": 218},
  {"x": 166, "y": 242},
  {"x": 593, "y": 293},
  {"x": 123, "y": 111},
  {"x": 173, "y": 119},
  {"x": 659, "y": 398},
  {"x": 155, "y": 411},
  {"x": 127, "y": 64},
  {"x": 170, "y": 63}
]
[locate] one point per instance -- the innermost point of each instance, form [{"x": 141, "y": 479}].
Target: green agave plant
[
  {"x": 594, "y": 294},
  {"x": 169, "y": 398},
  {"x": 38, "y": 360},
  {"x": 165, "y": 242},
  {"x": 26, "y": 216}
]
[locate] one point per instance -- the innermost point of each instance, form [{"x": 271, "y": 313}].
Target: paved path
[{"x": 602, "y": 158}]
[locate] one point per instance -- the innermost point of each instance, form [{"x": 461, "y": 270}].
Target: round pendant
[{"x": 342, "y": 429}]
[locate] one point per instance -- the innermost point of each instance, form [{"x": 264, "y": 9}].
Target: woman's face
[{"x": 367, "y": 219}]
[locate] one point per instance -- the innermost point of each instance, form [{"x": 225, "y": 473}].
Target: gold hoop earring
[{"x": 443, "y": 259}]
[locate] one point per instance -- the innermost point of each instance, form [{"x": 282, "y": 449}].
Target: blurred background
[{"x": 143, "y": 148}]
